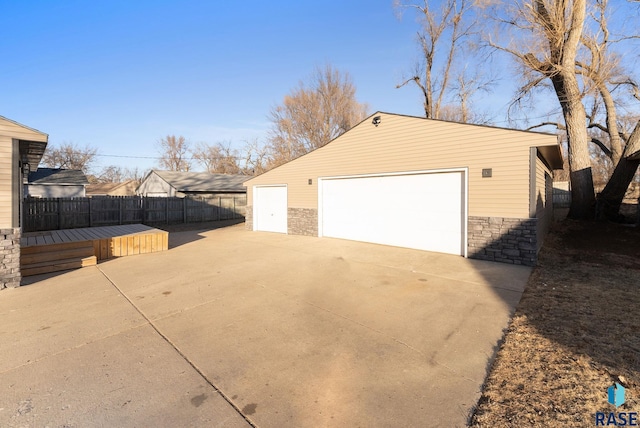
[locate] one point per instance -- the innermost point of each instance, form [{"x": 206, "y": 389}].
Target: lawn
[{"x": 575, "y": 331}]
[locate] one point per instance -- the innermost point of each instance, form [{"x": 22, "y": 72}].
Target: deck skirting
[{"x": 56, "y": 250}]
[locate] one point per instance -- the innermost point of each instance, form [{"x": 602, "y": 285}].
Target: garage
[
  {"x": 462, "y": 189},
  {"x": 423, "y": 210},
  {"x": 270, "y": 208}
]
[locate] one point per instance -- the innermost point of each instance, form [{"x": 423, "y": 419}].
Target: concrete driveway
[{"x": 234, "y": 328}]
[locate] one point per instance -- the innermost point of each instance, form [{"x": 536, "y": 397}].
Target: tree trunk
[
  {"x": 582, "y": 196},
  {"x": 610, "y": 200},
  {"x": 612, "y": 125}
]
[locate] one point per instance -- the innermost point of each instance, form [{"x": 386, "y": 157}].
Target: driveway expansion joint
[{"x": 182, "y": 355}]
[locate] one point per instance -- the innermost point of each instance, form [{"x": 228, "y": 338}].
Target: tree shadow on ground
[
  {"x": 574, "y": 332},
  {"x": 184, "y": 233}
]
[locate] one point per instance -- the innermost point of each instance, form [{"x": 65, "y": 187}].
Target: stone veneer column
[
  {"x": 302, "y": 221},
  {"x": 9, "y": 258},
  {"x": 248, "y": 217},
  {"x": 507, "y": 240}
]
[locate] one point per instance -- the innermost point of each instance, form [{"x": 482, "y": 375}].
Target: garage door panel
[
  {"x": 270, "y": 209},
  {"x": 422, "y": 211}
]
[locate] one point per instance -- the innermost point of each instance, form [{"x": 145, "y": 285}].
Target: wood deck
[{"x": 56, "y": 248}]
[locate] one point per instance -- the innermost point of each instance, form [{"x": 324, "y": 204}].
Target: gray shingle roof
[
  {"x": 57, "y": 176},
  {"x": 203, "y": 181}
]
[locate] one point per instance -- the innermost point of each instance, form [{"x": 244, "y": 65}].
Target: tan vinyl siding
[
  {"x": 544, "y": 201},
  {"x": 9, "y": 128},
  {"x": 10, "y": 134},
  {"x": 403, "y": 143},
  {"x": 6, "y": 183}
]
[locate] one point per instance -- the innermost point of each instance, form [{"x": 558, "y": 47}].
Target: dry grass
[{"x": 575, "y": 331}]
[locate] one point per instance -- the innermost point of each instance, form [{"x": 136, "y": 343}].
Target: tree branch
[
  {"x": 599, "y": 126},
  {"x": 602, "y": 146},
  {"x": 540, "y": 125},
  {"x": 414, "y": 78}
]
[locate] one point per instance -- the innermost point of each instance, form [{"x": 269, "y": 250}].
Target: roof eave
[
  {"x": 552, "y": 154},
  {"x": 31, "y": 153}
]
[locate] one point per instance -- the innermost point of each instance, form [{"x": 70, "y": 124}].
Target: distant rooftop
[
  {"x": 203, "y": 181},
  {"x": 105, "y": 188},
  {"x": 57, "y": 176}
]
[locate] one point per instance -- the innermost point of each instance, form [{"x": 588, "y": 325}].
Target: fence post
[
  {"x": 184, "y": 210},
  {"x": 59, "y": 213},
  {"x": 144, "y": 209},
  {"x": 234, "y": 207},
  {"x": 120, "y": 200},
  {"x": 166, "y": 212}
]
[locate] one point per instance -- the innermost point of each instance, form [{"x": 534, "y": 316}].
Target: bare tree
[
  {"x": 255, "y": 157},
  {"x": 313, "y": 114},
  {"x": 607, "y": 75},
  {"x": 217, "y": 158},
  {"x": 610, "y": 199},
  {"x": 568, "y": 43},
  {"x": 117, "y": 174},
  {"x": 445, "y": 36},
  {"x": 547, "y": 35},
  {"x": 111, "y": 174},
  {"x": 174, "y": 153},
  {"x": 70, "y": 156}
]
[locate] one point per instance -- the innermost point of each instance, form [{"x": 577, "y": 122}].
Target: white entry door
[
  {"x": 425, "y": 211},
  {"x": 270, "y": 208}
]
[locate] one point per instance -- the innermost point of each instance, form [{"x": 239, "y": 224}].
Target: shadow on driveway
[{"x": 280, "y": 330}]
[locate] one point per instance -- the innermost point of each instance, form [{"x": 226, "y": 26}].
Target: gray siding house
[
  {"x": 181, "y": 184},
  {"x": 56, "y": 183}
]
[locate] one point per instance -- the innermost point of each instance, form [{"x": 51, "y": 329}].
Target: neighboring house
[
  {"x": 21, "y": 149},
  {"x": 56, "y": 183},
  {"x": 181, "y": 184},
  {"x": 471, "y": 190},
  {"x": 126, "y": 188}
]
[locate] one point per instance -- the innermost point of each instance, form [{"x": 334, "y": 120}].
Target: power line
[
  {"x": 123, "y": 156},
  {"x": 150, "y": 157}
]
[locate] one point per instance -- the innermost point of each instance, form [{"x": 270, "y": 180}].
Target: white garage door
[
  {"x": 424, "y": 211},
  {"x": 270, "y": 208}
]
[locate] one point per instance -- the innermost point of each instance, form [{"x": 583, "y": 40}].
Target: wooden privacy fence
[
  {"x": 561, "y": 198},
  {"x": 68, "y": 213}
]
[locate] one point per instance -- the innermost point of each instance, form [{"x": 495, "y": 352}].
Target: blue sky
[{"x": 120, "y": 75}]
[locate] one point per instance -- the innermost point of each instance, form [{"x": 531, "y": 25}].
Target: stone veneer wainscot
[
  {"x": 507, "y": 240},
  {"x": 9, "y": 258},
  {"x": 302, "y": 221},
  {"x": 248, "y": 217}
]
